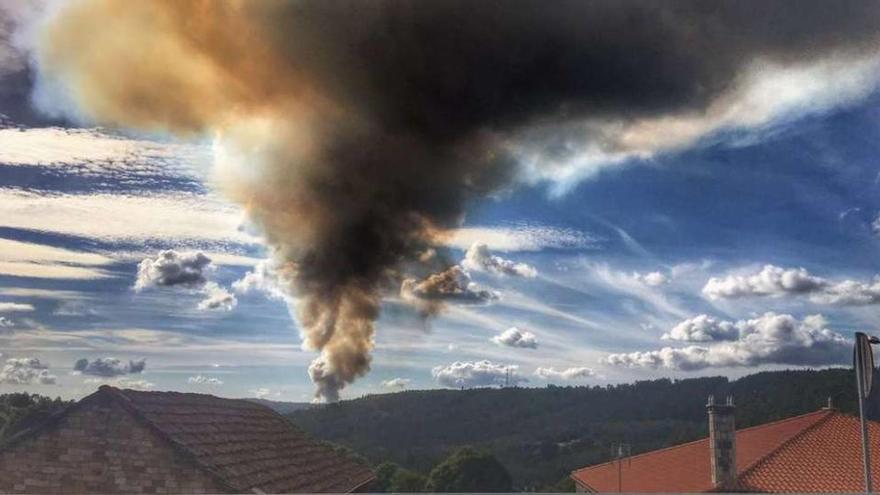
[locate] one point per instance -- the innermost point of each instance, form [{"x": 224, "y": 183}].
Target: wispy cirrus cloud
[
  {"x": 181, "y": 217},
  {"x": 522, "y": 237}
]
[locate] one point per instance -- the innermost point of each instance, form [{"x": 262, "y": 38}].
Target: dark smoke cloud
[{"x": 355, "y": 134}]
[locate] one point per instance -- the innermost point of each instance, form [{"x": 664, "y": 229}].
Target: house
[
  {"x": 815, "y": 452},
  {"x": 127, "y": 441}
]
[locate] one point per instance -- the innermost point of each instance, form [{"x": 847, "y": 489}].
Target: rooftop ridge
[
  {"x": 827, "y": 414},
  {"x": 705, "y": 439}
]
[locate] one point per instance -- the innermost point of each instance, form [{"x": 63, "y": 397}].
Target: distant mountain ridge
[
  {"x": 541, "y": 434},
  {"x": 281, "y": 407}
]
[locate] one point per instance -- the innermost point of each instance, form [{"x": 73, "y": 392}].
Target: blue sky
[{"x": 712, "y": 255}]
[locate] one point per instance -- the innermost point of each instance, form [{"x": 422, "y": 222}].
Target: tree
[
  {"x": 564, "y": 485},
  {"x": 20, "y": 411},
  {"x": 469, "y": 470},
  {"x": 384, "y": 474},
  {"x": 406, "y": 481}
]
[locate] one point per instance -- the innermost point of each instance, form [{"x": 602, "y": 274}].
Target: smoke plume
[{"x": 354, "y": 133}]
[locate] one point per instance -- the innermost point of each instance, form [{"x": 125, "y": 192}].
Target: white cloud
[
  {"x": 263, "y": 393},
  {"x": 6, "y": 322},
  {"x": 770, "y": 281},
  {"x": 108, "y": 367},
  {"x": 526, "y": 237},
  {"x": 170, "y": 268},
  {"x": 875, "y": 226},
  {"x": 653, "y": 279},
  {"x": 476, "y": 374},
  {"x": 703, "y": 328},
  {"x": 217, "y": 297},
  {"x": 53, "y": 271},
  {"x": 188, "y": 270},
  {"x": 92, "y": 152},
  {"x": 204, "y": 380},
  {"x": 9, "y": 307},
  {"x": 774, "y": 281},
  {"x": 763, "y": 97},
  {"x": 182, "y": 218},
  {"x": 26, "y": 371},
  {"x": 566, "y": 374},
  {"x": 514, "y": 337},
  {"x": 265, "y": 278},
  {"x": 479, "y": 259},
  {"x": 133, "y": 384},
  {"x": 396, "y": 383},
  {"x": 768, "y": 339}
]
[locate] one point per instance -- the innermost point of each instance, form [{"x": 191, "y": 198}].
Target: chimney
[{"x": 722, "y": 443}]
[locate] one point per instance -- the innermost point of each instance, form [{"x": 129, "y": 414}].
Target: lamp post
[{"x": 863, "y": 362}]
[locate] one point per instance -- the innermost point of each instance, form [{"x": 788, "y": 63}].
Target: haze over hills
[{"x": 541, "y": 434}]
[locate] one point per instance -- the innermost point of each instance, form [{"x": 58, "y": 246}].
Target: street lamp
[{"x": 863, "y": 362}]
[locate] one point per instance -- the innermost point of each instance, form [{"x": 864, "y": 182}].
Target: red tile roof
[
  {"x": 815, "y": 452},
  {"x": 247, "y": 445}
]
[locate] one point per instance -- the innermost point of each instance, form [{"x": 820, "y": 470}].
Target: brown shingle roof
[
  {"x": 815, "y": 452},
  {"x": 248, "y": 446}
]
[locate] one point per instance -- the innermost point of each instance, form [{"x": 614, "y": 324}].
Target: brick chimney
[{"x": 722, "y": 443}]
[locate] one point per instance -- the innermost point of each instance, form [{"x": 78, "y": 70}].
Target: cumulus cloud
[
  {"x": 26, "y": 371},
  {"x": 170, "y": 268},
  {"x": 768, "y": 339},
  {"x": 263, "y": 392},
  {"x": 204, "y": 380},
  {"x": 774, "y": 281},
  {"x": 217, "y": 297},
  {"x": 191, "y": 270},
  {"x": 770, "y": 281},
  {"x": 108, "y": 367},
  {"x": 653, "y": 279},
  {"x": 265, "y": 278},
  {"x": 514, "y": 337},
  {"x": 10, "y": 307},
  {"x": 396, "y": 383},
  {"x": 450, "y": 285},
  {"x": 476, "y": 374},
  {"x": 479, "y": 259},
  {"x": 130, "y": 383},
  {"x": 703, "y": 328},
  {"x": 6, "y": 322},
  {"x": 565, "y": 374}
]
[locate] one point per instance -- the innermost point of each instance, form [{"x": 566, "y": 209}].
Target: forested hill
[{"x": 541, "y": 434}]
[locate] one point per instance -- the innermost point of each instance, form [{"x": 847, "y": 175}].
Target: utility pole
[
  {"x": 863, "y": 362},
  {"x": 619, "y": 451}
]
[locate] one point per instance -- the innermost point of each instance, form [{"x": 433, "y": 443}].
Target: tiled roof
[
  {"x": 825, "y": 458},
  {"x": 246, "y": 445},
  {"x": 819, "y": 451}
]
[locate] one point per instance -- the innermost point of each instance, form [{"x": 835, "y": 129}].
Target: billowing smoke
[{"x": 355, "y": 133}]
